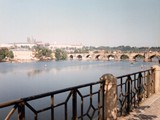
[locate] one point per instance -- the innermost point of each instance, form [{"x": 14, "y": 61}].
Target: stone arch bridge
[{"x": 147, "y": 56}]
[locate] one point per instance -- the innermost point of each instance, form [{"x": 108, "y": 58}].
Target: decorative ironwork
[
  {"x": 133, "y": 89},
  {"x": 70, "y": 103}
]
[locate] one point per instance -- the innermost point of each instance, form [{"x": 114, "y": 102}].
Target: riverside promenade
[{"x": 148, "y": 110}]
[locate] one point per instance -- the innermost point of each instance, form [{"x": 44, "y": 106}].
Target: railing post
[
  {"x": 110, "y": 97},
  {"x": 148, "y": 85},
  {"x": 139, "y": 85},
  {"x": 128, "y": 94},
  {"x": 21, "y": 111},
  {"x": 157, "y": 78},
  {"x": 153, "y": 80},
  {"x": 52, "y": 109},
  {"x": 74, "y": 104}
]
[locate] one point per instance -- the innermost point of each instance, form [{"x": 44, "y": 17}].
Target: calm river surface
[{"x": 18, "y": 80}]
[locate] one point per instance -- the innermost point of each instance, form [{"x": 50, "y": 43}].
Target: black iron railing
[
  {"x": 133, "y": 89},
  {"x": 84, "y": 102}
]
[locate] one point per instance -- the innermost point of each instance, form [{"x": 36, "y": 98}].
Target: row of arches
[{"x": 114, "y": 57}]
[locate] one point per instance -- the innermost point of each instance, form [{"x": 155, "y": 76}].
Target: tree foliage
[
  {"x": 124, "y": 48},
  {"x": 60, "y": 54},
  {"x": 81, "y": 50},
  {"x": 5, "y": 54},
  {"x": 43, "y": 53}
]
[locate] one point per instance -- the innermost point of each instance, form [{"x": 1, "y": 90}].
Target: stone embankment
[{"x": 23, "y": 56}]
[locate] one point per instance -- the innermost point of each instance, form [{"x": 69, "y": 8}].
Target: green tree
[
  {"x": 5, "y": 54},
  {"x": 43, "y": 53},
  {"x": 60, "y": 54},
  {"x": 81, "y": 50}
]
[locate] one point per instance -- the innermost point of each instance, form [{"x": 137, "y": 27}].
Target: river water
[{"x": 19, "y": 80}]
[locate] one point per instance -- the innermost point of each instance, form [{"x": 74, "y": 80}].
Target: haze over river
[{"x": 18, "y": 80}]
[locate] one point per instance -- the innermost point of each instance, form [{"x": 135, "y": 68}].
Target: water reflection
[
  {"x": 63, "y": 67},
  {"x": 155, "y": 59},
  {"x": 34, "y": 72},
  {"x": 4, "y": 66}
]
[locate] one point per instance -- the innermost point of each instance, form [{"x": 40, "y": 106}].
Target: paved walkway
[{"x": 148, "y": 110}]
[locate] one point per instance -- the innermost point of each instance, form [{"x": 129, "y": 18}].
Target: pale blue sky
[{"x": 90, "y": 22}]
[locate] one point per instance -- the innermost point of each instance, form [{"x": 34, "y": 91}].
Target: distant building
[
  {"x": 31, "y": 42},
  {"x": 24, "y": 45},
  {"x": 66, "y": 47},
  {"x": 7, "y": 45}
]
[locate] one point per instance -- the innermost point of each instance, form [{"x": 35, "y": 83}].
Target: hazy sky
[{"x": 90, "y": 22}]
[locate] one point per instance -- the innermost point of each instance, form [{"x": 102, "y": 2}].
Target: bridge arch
[
  {"x": 79, "y": 57},
  {"x": 88, "y": 56},
  {"x": 138, "y": 57},
  {"x": 97, "y": 57},
  {"x": 124, "y": 57},
  {"x": 154, "y": 58},
  {"x": 71, "y": 57},
  {"x": 111, "y": 57}
]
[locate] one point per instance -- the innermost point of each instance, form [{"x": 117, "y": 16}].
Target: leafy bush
[
  {"x": 5, "y": 53},
  {"x": 60, "y": 54},
  {"x": 43, "y": 53}
]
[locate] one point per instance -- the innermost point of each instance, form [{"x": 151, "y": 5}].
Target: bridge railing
[
  {"x": 79, "y": 102},
  {"x": 132, "y": 89}
]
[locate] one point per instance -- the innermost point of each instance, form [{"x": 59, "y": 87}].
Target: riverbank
[{"x": 23, "y": 60}]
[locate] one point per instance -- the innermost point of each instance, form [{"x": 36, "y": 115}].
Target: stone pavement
[{"x": 148, "y": 110}]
